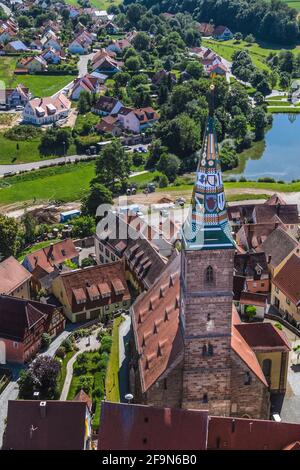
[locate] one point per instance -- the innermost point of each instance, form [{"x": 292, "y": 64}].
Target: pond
[{"x": 278, "y": 156}]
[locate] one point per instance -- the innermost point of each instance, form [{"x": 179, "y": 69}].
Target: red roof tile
[
  {"x": 288, "y": 279},
  {"x": 52, "y": 255},
  {"x": 12, "y": 275}
]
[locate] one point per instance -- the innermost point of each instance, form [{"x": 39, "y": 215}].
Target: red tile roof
[
  {"x": 84, "y": 398},
  {"x": 155, "y": 320},
  {"x": 52, "y": 255},
  {"x": 288, "y": 279},
  {"x": 62, "y": 427},
  {"x": 148, "y": 428},
  {"x": 12, "y": 275},
  {"x": 92, "y": 285},
  {"x": 263, "y": 336},
  {"x": 250, "y": 434}
]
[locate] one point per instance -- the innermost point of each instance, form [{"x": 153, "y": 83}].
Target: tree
[
  {"x": 142, "y": 41},
  {"x": 238, "y": 126},
  {"x": 9, "y": 236},
  {"x": 169, "y": 165},
  {"x": 258, "y": 121},
  {"x": 238, "y": 36},
  {"x": 163, "y": 181},
  {"x": 195, "y": 69},
  {"x": 228, "y": 157},
  {"x": 83, "y": 226},
  {"x": 181, "y": 135},
  {"x": 250, "y": 39},
  {"x": 133, "y": 63},
  {"x": 46, "y": 341},
  {"x": 40, "y": 376},
  {"x": 29, "y": 224},
  {"x": 113, "y": 166},
  {"x": 86, "y": 262},
  {"x": 97, "y": 195},
  {"x": 84, "y": 103},
  {"x": 24, "y": 22}
]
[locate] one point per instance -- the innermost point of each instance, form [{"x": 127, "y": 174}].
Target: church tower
[{"x": 206, "y": 286}]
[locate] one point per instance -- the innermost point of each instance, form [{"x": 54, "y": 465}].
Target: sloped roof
[
  {"x": 245, "y": 264},
  {"x": 155, "y": 321},
  {"x": 12, "y": 275},
  {"x": 288, "y": 279},
  {"x": 263, "y": 336},
  {"x": 47, "y": 258},
  {"x": 18, "y": 315},
  {"x": 62, "y": 428},
  {"x": 84, "y": 398},
  {"x": 149, "y": 428},
  {"x": 278, "y": 245},
  {"x": 287, "y": 213}
]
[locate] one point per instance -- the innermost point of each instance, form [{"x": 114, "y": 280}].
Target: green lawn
[
  {"x": 28, "y": 151},
  {"x": 66, "y": 184},
  {"x": 100, "y": 4},
  {"x": 258, "y": 52},
  {"x": 39, "y": 85},
  {"x": 112, "y": 376}
]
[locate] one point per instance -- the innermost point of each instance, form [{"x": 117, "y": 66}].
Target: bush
[
  {"x": 279, "y": 326},
  {"x": 46, "y": 340},
  {"x": 61, "y": 352},
  {"x": 266, "y": 179},
  {"x": 163, "y": 181},
  {"x": 106, "y": 344},
  {"x": 84, "y": 142},
  {"x": 228, "y": 157},
  {"x": 24, "y": 132},
  {"x": 85, "y": 383},
  {"x": 67, "y": 344}
]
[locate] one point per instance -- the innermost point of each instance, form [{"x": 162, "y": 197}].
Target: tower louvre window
[
  {"x": 204, "y": 350},
  {"x": 205, "y": 398},
  {"x": 210, "y": 350},
  {"x": 247, "y": 380},
  {"x": 209, "y": 276}
]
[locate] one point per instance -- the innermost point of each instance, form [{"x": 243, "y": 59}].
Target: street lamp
[{"x": 128, "y": 397}]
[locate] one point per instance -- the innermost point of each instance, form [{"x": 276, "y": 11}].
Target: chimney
[
  {"x": 50, "y": 250},
  {"x": 43, "y": 405}
]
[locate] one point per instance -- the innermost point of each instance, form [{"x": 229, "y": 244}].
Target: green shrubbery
[{"x": 24, "y": 132}]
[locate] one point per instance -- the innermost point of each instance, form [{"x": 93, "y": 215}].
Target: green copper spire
[{"x": 207, "y": 226}]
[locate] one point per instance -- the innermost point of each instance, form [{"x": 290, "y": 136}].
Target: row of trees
[{"x": 272, "y": 21}]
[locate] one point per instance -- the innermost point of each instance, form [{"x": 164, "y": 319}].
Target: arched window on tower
[
  {"x": 209, "y": 276},
  {"x": 210, "y": 350},
  {"x": 204, "y": 350}
]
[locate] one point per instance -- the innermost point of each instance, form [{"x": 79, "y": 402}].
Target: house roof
[
  {"x": 106, "y": 103},
  {"x": 87, "y": 285},
  {"x": 107, "y": 124},
  {"x": 256, "y": 234},
  {"x": 287, "y": 213},
  {"x": 278, "y": 245},
  {"x": 62, "y": 428},
  {"x": 53, "y": 255},
  {"x": 252, "y": 264},
  {"x": 84, "y": 398},
  {"x": 219, "y": 30},
  {"x": 253, "y": 298},
  {"x": 49, "y": 104},
  {"x": 148, "y": 428},
  {"x": 275, "y": 199},
  {"x": 250, "y": 434},
  {"x": 206, "y": 29},
  {"x": 155, "y": 321},
  {"x": 263, "y": 336},
  {"x": 288, "y": 279},
  {"x": 18, "y": 46},
  {"x": 18, "y": 315},
  {"x": 12, "y": 275}
]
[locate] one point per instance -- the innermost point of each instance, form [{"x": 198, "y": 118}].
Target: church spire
[{"x": 207, "y": 225}]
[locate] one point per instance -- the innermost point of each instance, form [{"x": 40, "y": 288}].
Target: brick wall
[{"x": 252, "y": 400}]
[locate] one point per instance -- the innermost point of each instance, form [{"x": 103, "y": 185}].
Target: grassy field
[
  {"x": 100, "y": 4},
  {"x": 258, "y": 52},
  {"x": 67, "y": 185},
  {"x": 40, "y": 85},
  {"x": 28, "y": 151},
  {"x": 112, "y": 376}
]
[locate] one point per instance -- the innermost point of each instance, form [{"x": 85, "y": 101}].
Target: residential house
[
  {"x": 22, "y": 325},
  {"x": 107, "y": 66},
  {"x": 137, "y": 119},
  {"x": 52, "y": 56},
  {"x": 222, "y": 33},
  {"x": 14, "y": 279},
  {"x": 109, "y": 125},
  {"x": 285, "y": 290},
  {"x": 50, "y": 39},
  {"x": 110, "y": 28},
  {"x": 81, "y": 44},
  {"x": 251, "y": 236},
  {"x": 18, "y": 96},
  {"x": 41, "y": 111},
  {"x": 284, "y": 213},
  {"x": 118, "y": 46},
  {"x": 8, "y": 30},
  {"x": 93, "y": 292},
  {"x": 47, "y": 425},
  {"x": 163, "y": 76},
  {"x": 133, "y": 245},
  {"x": 36, "y": 44},
  {"x": 206, "y": 29},
  {"x": 100, "y": 54},
  {"x": 31, "y": 64},
  {"x": 16, "y": 47},
  {"x": 277, "y": 246},
  {"x": 87, "y": 83},
  {"x": 168, "y": 429},
  {"x": 106, "y": 105},
  {"x": 217, "y": 69},
  {"x": 47, "y": 260},
  {"x": 100, "y": 77},
  {"x": 254, "y": 268}
]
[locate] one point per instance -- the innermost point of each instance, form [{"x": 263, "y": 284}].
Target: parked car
[{"x": 142, "y": 149}]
